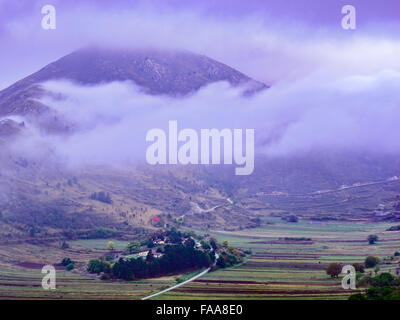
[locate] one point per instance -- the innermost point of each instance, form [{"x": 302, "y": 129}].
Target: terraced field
[
  {"x": 279, "y": 268},
  {"x": 289, "y": 269},
  {"x": 26, "y": 284},
  {"x": 22, "y": 279}
]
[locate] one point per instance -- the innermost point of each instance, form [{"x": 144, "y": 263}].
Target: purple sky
[{"x": 207, "y": 27}]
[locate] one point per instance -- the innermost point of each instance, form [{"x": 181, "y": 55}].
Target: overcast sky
[{"x": 269, "y": 40}]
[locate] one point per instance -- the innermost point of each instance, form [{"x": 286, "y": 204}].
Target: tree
[
  {"x": 213, "y": 243},
  {"x": 110, "y": 245},
  {"x": 66, "y": 261},
  {"x": 372, "y": 238},
  {"x": 334, "y": 269},
  {"x": 221, "y": 262},
  {"x": 371, "y": 261},
  {"x": 133, "y": 247},
  {"x": 150, "y": 256},
  {"x": 205, "y": 245},
  {"x": 383, "y": 280},
  {"x": 97, "y": 266},
  {"x": 174, "y": 235}
]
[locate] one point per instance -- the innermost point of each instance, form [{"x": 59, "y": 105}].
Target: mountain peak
[{"x": 155, "y": 71}]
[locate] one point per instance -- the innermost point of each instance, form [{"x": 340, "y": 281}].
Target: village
[{"x": 166, "y": 252}]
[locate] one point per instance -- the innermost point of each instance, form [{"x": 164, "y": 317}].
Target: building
[
  {"x": 143, "y": 254},
  {"x": 158, "y": 242}
]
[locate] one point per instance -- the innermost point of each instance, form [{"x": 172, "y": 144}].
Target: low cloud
[{"x": 354, "y": 113}]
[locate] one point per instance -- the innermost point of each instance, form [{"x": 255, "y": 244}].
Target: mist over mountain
[
  {"x": 78, "y": 126},
  {"x": 155, "y": 71}
]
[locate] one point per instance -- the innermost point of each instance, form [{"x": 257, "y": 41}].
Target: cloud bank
[{"x": 352, "y": 113}]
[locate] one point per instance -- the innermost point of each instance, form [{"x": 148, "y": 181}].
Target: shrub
[
  {"x": 66, "y": 261},
  {"x": 372, "y": 238},
  {"x": 357, "y": 297},
  {"x": 70, "y": 267},
  {"x": 371, "y": 261}
]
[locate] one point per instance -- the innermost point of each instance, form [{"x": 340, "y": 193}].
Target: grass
[{"x": 99, "y": 243}]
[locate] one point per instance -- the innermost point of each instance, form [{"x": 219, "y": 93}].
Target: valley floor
[{"x": 278, "y": 268}]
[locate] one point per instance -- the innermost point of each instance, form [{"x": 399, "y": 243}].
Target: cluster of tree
[
  {"x": 68, "y": 264},
  {"x": 101, "y": 196},
  {"x": 297, "y": 239},
  {"x": 229, "y": 256},
  {"x": 335, "y": 269},
  {"x": 101, "y": 233},
  {"x": 176, "y": 236},
  {"x": 176, "y": 258},
  {"x": 133, "y": 247},
  {"x": 98, "y": 266},
  {"x": 382, "y": 287}
]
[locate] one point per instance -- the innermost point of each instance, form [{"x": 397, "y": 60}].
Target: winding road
[{"x": 178, "y": 285}]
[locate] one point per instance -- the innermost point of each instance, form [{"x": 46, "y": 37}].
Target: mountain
[
  {"x": 42, "y": 196},
  {"x": 173, "y": 73}
]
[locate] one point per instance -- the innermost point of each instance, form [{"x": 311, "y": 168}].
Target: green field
[
  {"x": 277, "y": 268},
  {"x": 99, "y": 243}
]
